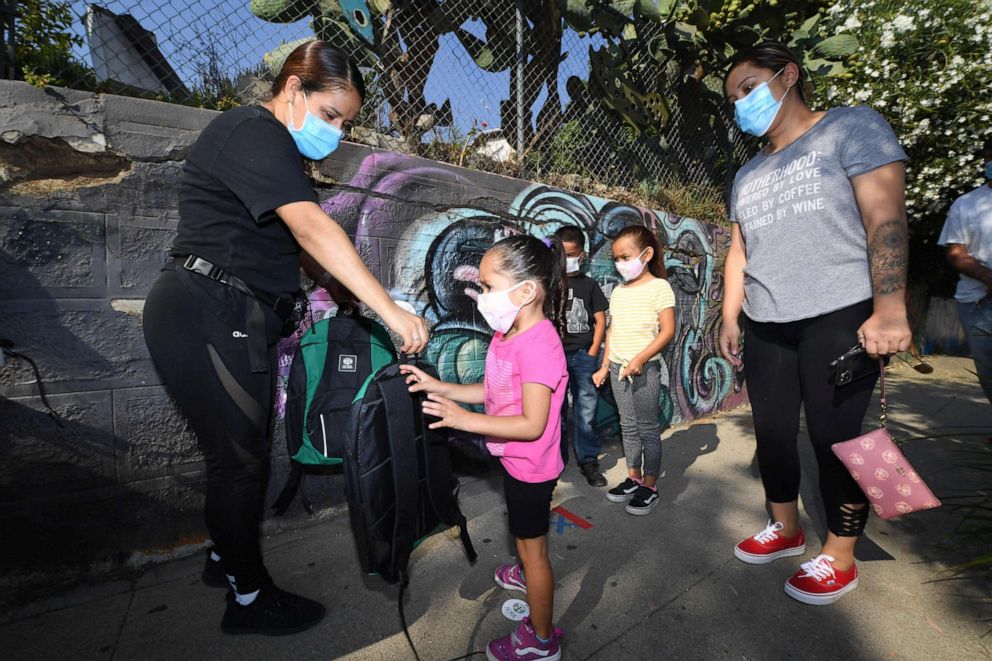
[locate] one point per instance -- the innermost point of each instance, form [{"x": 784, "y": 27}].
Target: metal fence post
[
  {"x": 521, "y": 58},
  {"x": 7, "y": 52}
]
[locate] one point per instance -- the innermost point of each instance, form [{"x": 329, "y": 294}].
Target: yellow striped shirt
[{"x": 634, "y": 317}]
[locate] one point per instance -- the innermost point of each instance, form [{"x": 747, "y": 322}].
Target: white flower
[
  {"x": 888, "y": 39},
  {"x": 851, "y": 23},
  {"x": 901, "y": 23},
  {"x": 862, "y": 95}
]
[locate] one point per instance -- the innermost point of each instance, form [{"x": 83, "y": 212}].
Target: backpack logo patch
[{"x": 347, "y": 363}]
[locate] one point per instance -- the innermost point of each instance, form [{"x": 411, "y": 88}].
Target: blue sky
[{"x": 242, "y": 39}]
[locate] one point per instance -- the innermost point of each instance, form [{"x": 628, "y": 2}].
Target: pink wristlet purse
[{"x": 882, "y": 471}]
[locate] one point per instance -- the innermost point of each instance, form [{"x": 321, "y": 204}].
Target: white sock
[
  {"x": 214, "y": 557},
  {"x": 246, "y": 599}
]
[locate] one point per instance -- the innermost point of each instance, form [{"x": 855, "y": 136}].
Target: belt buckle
[{"x": 190, "y": 262}]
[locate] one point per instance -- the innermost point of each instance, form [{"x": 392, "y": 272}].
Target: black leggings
[
  {"x": 788, "y": 364},
  {"x": 196, "y": 334}
]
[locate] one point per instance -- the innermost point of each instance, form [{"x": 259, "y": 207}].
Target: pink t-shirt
[{"x": 534, "y": 356}]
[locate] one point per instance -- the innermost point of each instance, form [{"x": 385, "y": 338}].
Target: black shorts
[{"x": 528, "y": 505}]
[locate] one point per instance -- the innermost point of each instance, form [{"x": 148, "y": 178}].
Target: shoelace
[
  {"x": 819, "y": 568},
  {"x": 770, "y": 533}
]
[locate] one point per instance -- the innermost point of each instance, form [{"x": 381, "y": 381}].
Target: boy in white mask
[{"x": 585, "y": 316}]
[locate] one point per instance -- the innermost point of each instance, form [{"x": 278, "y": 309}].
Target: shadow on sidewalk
[{"x": 950, "y": 406}]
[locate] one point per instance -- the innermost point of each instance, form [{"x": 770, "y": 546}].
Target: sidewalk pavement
[{"x": 663, "y": 586}]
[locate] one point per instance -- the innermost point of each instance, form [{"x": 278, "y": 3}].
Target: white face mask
[
  {"x": 497, "y": 308},
  {"x": 630, "y": 269},
  {"x": 572, "y": 264}
]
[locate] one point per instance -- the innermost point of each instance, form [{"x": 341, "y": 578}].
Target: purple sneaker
[
  {"x": 524, "y": 645},
  {"x": 511, "y": 577}
]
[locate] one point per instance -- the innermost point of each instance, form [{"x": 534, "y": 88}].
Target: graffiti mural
[{"x": 422, "y": 228}]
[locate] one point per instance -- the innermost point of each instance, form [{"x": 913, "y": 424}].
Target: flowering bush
[{"x": 924, "y": 64}]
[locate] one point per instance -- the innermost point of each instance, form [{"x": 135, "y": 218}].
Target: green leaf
[
  {"x": 838, "y": 45},
  {"x": 822, "y": 67},
  {"x": 578, "y": 15},
  {"x": 654, "y": 10},
  {"x": 279, "y": 11},
  {"x": 807, "y": 27}
]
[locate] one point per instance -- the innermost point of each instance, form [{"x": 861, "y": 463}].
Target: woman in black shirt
[{"x": 248, "y": 214}]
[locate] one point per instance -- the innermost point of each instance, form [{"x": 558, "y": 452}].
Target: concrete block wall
[{"x": 88, "y": 192}]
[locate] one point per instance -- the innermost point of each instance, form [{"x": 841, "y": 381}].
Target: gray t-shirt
[{"x": 804, "y": 238}]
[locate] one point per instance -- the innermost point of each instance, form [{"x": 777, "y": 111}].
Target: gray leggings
[{"x": 637, "y": 403}]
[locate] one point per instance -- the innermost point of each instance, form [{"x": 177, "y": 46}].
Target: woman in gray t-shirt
[{"x": 817, "y": 263}]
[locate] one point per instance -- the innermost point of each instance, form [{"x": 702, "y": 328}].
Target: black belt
[{"x": 289, "y": 308}]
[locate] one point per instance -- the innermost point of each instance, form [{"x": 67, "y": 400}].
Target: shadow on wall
[{"x": 61, "y": 486}]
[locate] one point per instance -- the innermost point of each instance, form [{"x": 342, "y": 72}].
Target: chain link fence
[{"x": 565, "y": 92}]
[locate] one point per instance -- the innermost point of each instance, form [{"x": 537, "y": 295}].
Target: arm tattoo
[{"x": 888, "y": 257}]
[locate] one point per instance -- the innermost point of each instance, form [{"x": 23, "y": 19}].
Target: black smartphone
[{"x": 854, "y": 364}]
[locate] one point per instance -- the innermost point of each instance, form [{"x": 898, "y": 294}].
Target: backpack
[
  {"x": 335, "y": 357},
  {"x": 398, "y": 478}
]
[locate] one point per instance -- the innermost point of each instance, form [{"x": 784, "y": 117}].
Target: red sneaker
[
  {"x": 818, "y": 583},
  {"x": 769, "y": 545}
]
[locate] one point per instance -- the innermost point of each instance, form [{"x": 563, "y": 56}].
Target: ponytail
[{"x": 557, "y": 288}]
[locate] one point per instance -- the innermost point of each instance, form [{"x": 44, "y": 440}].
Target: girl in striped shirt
[{"x": 643, "y": 323}]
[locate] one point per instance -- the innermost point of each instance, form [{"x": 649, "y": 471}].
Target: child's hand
[
  {"x": 450, "y": 414},
  {"x": 599, "y": 376},
  {"x": 633, "y": 368},
  {"x": 422, "y": 382}
]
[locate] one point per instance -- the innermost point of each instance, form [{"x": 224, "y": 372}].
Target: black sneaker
[
  {"x": 644, "y": 500},
  {"x": 623, "y": 491},
  {"x": 592, "y": 474},
  {"x": 213, "y": 573},
  {"x": 274, "y": 612}
]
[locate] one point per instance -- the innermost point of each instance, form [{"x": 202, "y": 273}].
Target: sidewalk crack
[{"x": 120, "y": 629}]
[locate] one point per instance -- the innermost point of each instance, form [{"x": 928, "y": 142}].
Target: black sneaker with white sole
[
  {"x": 274, "y": 612},
  {"x": 643, "y": 500},
  {"x": 623, "y": 492}
]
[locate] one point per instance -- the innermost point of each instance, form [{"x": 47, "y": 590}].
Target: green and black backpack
[{"x": 335, "y": 359}]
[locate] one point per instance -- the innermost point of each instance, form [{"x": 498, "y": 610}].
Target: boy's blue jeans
[
  {"x": 977, "y": 321},
  {"x": 585, "y": 401}
]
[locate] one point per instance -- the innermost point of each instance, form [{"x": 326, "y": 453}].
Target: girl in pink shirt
[{"x": 526, "y": 377}]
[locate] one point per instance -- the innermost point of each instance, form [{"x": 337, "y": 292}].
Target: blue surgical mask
[
  {"x": 988, "y": 170},
  {"x": 756, "y": 111},
  {"x": 315, "y": 138}
]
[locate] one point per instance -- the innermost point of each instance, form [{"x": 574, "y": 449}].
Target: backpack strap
[
  {"x": 400, "y": 423},
  {"x": 294, "y": 483},
  {"x": 423, "y": 434}
]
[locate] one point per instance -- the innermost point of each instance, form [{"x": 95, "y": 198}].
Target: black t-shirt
[
  {"x": 584, "y": 299},
  {"x": 243, "y": 166}
]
